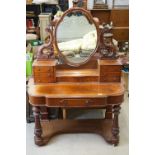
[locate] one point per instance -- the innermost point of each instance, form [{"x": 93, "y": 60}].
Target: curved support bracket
[
  {"x": 46, "y": 51},
  {"x": 107, "y": 49}
]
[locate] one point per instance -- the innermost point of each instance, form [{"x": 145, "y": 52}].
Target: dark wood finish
[
  {"x": 108, "y": 113},
  {"x": 44, "y": 113},
  {"x": 46, "y": 51},
  {"x": 115, "y": 127},
  {"x": 107, "y": 48},
  {"x": 38, "y": 129}
]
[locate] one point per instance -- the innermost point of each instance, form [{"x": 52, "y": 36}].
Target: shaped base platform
[{"x": 55, "y": 127}]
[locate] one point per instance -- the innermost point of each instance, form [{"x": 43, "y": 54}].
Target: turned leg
[
  {"x": 115, "y": 126},
  {"x": 44, "y": 113},
  {"x": 64, "y": 111},
  {"x": 37, "y": 130},
  {"x": 108, "y": 113}
]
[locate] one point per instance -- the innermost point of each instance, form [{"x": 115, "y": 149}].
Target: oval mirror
[{"x": 76, "y": 36}]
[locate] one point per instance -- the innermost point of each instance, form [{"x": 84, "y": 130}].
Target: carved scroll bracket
[
  {"x": 107, "y": 48},
  {"x": 46, "y": 51}
]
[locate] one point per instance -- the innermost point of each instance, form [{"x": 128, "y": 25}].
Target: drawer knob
[{"x": 89, "y": 101}]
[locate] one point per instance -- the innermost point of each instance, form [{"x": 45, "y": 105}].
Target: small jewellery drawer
[
  {"x": 43, "y": 69},
  {"x": 89, "y": 102}
]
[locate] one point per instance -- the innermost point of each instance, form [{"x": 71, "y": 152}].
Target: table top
[{"x": 75, "y": 90}]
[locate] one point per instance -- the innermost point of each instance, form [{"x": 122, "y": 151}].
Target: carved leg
[
  {"x": 108, "y": 113},
  {"x": 37, "y": 130},
  {"x": 115, "y": 127},
  {"x": 44, "y": 113}
]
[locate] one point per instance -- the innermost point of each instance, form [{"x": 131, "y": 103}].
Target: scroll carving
[
  {"x": 46, "y": 51},
  {"x": 107, "y": 48}
]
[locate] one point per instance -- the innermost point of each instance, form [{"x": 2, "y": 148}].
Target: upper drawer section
[{"x": 44, "y": 71}]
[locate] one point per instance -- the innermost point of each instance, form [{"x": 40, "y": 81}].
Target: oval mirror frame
[{"x": 87, "y": 14}]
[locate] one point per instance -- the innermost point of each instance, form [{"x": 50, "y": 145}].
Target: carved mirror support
[
  {"x": 107, "y": 48},
  {"x": 46, "y": 51}
]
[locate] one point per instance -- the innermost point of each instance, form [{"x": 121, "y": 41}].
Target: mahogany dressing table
[{"x": 85, "y": 72}]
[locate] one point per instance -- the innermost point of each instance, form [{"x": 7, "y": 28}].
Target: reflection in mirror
[{"x": 76, "y": 37}]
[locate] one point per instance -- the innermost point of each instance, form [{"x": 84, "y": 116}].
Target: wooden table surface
[{"x": 74, "y": 90}]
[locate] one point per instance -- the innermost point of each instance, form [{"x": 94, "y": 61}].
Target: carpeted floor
[{"x": 83, "y": 144}]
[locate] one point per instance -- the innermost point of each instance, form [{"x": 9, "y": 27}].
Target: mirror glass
[{"x": 76, "y": 37}]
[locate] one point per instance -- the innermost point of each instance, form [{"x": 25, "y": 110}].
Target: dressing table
[{"x": 84, "y": 72}]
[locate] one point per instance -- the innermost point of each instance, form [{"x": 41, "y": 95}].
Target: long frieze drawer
[
  {"x": 40, "y": 79},
  {"x": 42, "y": 69},
  {"x": 89, "y": 102},
  {"x": 110, "y": 68}
]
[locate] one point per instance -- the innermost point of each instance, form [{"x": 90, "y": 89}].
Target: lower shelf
[{"x": 98, "y": 126}]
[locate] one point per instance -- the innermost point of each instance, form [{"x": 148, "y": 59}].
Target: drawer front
[
  {"x": 99, "y": 102},
  {"x": 110, "y": 68},
  {"x": 42, "y": 69},
  {"x": 110, "y": 77},
  {"x": 44, "y": 74}
]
